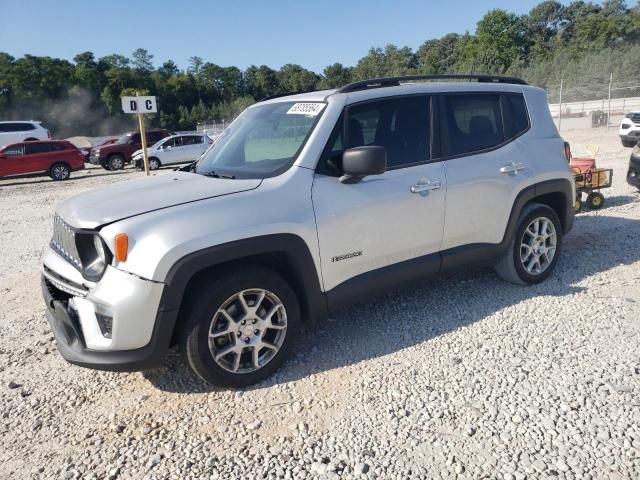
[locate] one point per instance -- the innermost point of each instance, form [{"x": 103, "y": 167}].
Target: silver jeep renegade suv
[{"x": 308, "y": 203}]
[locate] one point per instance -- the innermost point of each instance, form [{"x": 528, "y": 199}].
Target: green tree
[{"x": 335, "y": 76}]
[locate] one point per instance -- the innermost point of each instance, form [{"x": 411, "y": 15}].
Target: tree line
[{"x": 581, "y": 42}]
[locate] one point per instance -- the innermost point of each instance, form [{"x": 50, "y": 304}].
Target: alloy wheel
[
  {"x": 538, "y": 245},
  {"x": 248, "y": 330},
  {"x": 60, "y": 172}
]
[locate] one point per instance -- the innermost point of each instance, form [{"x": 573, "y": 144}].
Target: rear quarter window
[{"x": 519, "y": 121}]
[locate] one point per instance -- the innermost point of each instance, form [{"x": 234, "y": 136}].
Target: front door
[{"x": 384, "y": 219}]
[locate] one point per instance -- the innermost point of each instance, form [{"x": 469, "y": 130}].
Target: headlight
[
  {"x": 99, "y": 246},
  {"x": 94, "y": 254}
]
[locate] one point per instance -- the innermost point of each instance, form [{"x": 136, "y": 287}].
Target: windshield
[
  {"x": 123, "y": 138},
  {"x": 262, "y": 142}
]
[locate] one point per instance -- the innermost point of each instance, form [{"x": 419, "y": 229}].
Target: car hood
[
  {"x": 127, "y": 199},
  {"x": 138, "y": 152}
]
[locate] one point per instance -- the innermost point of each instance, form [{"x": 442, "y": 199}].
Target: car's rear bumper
[{"x": 633, "y": 174}]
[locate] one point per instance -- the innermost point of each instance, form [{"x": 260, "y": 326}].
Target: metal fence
[
  {"x": 593, "y": 104},
  {"x": 212, "y": 129}
]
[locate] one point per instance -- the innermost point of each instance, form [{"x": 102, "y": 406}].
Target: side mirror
[{"x": 359, "y": 162}]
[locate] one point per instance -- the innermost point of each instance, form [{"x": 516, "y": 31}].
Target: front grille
[{"x": 64, "y": 241}]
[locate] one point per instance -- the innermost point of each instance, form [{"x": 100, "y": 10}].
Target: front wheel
[
  {"x": 629, "y": 143},
  {"x": 241, "y": 327},
  {"x": 535, "y": 247},
  {"x": 115, "y": 162},
  {"x": 59, "y": 171},
  {"x": 154, "y": 164}
]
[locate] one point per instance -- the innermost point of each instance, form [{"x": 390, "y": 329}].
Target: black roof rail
[
  {"x": 395, "y": 81},
  {"x": 284, "y": 94}
]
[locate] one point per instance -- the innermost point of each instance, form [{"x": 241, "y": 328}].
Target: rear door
[
  {"x": 486, "y": 166},
  {"x": 384, "y": 219},
  {"x": 194, "y": 147},
  {"x": 38, "y": 156}
]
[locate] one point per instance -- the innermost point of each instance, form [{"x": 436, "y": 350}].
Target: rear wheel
[
  {"x": 59, "y": 171},
  {"x": 535, "y": 247},
  {"x": 115, "y": 162},
  {"x": 595, "y": 200},
  {"x": 242, "y": 325}
]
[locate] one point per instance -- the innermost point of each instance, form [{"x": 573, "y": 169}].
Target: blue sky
[{"x": 241, "y": 33}]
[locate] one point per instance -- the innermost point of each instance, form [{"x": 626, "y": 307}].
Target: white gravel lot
[{"x": 466, "y": 377}]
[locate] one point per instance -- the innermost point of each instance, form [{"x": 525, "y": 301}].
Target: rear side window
[
  {"x": 473, "y": 123},
  {"x": 58, "y": 147},
  {"x": 16, "y": 127},
  {"x": 34, "y": 148}
]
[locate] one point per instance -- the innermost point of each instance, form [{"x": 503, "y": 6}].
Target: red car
[{"x": 56, "y": 158}]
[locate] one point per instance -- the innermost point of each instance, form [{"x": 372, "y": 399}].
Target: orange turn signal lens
[{"x": 122, "y": 246}]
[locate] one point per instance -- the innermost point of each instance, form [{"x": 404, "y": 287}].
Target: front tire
[
  {"x": 534, "y": 248},
  {"x": 154, "y": 163},
  {"x": 60, "y": 171},
  {"x": 115, "y": 162},
  {"x": 241, "y": 326},
  {"x": 629, "y": 143}
]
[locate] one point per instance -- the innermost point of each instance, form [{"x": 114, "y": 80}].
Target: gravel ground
[{"x": 466, "y": 377}]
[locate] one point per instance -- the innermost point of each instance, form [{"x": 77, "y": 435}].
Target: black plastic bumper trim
[{"x": 73, "y": 349}]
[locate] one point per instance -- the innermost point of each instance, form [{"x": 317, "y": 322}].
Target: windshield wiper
[{"x": 217, "y": 175}]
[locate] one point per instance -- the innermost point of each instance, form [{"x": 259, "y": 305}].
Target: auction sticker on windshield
[{"x": 310, "y": 109}]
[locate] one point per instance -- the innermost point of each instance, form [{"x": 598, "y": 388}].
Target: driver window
[{"x": 168, "y": 143}]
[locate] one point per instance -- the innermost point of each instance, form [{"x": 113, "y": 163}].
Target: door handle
[
  {"x": 425, "y": 187},
  {"x": 513, "y": 168}
]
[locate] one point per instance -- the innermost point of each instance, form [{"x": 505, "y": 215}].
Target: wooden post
[{"x": 143, "y": 140}]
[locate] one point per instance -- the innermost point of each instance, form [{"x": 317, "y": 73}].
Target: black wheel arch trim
[{"x": 306, "y": 282}]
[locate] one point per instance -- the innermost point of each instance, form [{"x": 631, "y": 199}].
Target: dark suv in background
[{"x": 117, "y": 154}]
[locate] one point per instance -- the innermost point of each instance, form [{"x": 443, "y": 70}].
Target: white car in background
[
  {"x": 630, "y": 129},
  {"x": 19, "y": 131},
  {"x": 176, "y": 149}
]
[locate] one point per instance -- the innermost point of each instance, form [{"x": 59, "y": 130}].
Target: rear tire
[
  {"x": 60, "y": 171},
  {"x": 252, "y": 314},
  {"x": 115, "y": 162},
  {"x": 534, "y": 248},
  {"x": 595, "y": 200}
]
